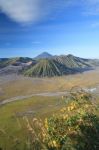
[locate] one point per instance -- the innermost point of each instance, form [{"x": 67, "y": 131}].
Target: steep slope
[
  {"x": 44, "y": 55},
  {"x": 48, "y": 67},
  {"x": 4, "y": 62},
  {"x": 14, "y": 65},
  {"x": 71, "y": 61},
  {"x": 94, "y": 62},
  {"x": 59, "y": 65}
]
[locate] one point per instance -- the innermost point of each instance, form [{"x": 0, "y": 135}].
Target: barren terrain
[{"x": 17, "y": 86}]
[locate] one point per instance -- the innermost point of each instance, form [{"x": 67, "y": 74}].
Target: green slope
[
  {"x": 58, "y": 66},
  {"x": 48, "y": 67},
  {"x": 71, "y": 61}
]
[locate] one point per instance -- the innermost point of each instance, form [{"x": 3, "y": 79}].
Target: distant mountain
[
  {"x": 44, "y": 55},
  {"x": 48, "y": 68},
  {"x": 71, "y": 61},
  {"x": 10, "y": 70},
  {"x": 4, "y": 62},
  {"x": 60, "y": 65},
  {"x": 46, "y": 65}
]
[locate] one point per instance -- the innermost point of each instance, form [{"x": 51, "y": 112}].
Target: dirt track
[
  {"x": 48, "y": 94},
  {"x": 22, "y": 88}
]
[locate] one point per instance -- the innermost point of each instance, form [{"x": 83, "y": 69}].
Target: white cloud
[
  {"x": 27, "y": 11},
  {"x": 31, "y": 11},
  {"x": 21, "y": 10}
]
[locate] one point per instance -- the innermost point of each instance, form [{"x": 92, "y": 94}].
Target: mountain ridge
[{"x": 50, "y": 65}]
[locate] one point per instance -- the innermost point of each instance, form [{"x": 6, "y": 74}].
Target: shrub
[{"x": 76, "y": 127}]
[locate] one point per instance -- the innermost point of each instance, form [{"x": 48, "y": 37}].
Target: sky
[{"x": 30, "y": 27}]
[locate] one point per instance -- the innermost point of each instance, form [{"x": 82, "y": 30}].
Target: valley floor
[
  {"x": 20, "y": 87},
  {"x": 35, "y": 97}
]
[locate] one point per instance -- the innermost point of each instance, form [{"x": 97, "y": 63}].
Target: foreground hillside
[
  {"x": 74, "y": 127},
  {"x": 72, "y": 124},
  {"x": 46, "y": 65}
]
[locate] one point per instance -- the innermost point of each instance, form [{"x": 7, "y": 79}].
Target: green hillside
[
  {"x": 48, "y": 67},
  {"x": 71, "y": 61},
  {"x": 58, "y": 66}
]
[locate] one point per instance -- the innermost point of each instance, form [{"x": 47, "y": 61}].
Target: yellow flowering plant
[{"x": 75, "y": 127}]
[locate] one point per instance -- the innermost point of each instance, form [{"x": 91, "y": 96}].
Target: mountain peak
[
  {"x": 44, "y": 55},
  {"x": 70, "y": 55}
]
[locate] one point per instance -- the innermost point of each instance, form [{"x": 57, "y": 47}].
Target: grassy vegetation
[
  {"x": 75, "y": 121},
  {"x": 13, "y": 134},
  {"x": 13, "y": 127},
  {"x": 75, "y": 127}
]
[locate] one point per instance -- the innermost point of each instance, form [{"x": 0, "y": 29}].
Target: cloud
[
  {"x": 21, "y": 10},
  {"x": 29, "y": 11}
]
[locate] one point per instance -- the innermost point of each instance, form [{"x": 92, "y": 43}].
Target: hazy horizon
[{"x": 53, "y": 54}]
